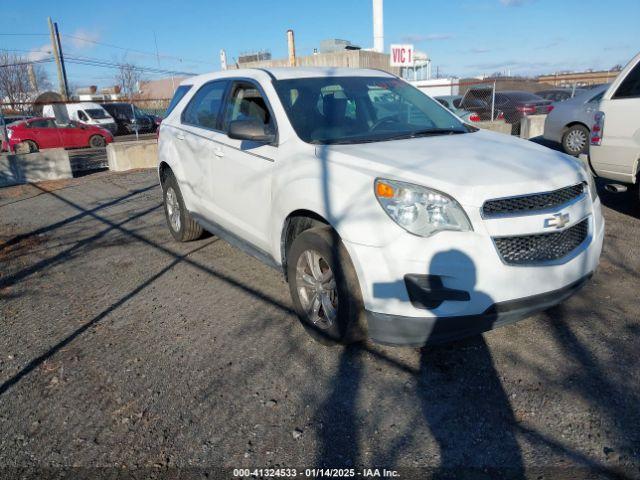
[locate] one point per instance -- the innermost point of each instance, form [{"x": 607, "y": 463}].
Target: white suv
[
  {"x": 615, "y": 135},
  {"x": 387, "y": 214}
]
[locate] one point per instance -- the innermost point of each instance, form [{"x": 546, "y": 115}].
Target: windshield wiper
[{"x": 436, "y": 131}]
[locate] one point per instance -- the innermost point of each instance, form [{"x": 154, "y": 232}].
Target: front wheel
[
  {"x": 97, "y": 141},
  {"x": 28, "y": 146},
  {"x": 576, "y": 140},
  {"x": 324, "y": 287}
]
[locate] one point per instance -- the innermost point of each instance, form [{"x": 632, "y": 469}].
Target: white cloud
[
  {"x": 480, "y": 50},
  {"x": 39, "y": 53},
  {"x": 82, "y": 39},
  {"x": 431, "y": 37}
]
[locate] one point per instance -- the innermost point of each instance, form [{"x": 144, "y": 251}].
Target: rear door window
[
  {"x": 42, "y": 123},
  {"x": 204, "y": 108},
  {"x": 630, "y": 86}
]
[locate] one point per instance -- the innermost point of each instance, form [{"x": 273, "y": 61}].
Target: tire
[
  {"x": 180, "y": 222},
  {"x": 343, "y": 322},
  {"x": 29, "y": 146},
  {"x": 576, "y": 140},
  {"x": 97, "y": 141}
]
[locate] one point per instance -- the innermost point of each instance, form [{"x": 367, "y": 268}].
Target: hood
[{"x": 471, "y": 167}]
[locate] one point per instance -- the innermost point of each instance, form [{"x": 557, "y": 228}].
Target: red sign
[{"x": 401, "y": 55}]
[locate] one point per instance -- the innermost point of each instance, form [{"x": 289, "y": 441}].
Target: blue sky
[{"x": 463, "y": 37}]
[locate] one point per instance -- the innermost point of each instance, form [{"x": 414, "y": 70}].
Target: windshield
[
  {"x": 332, "y": 110},
  {"x": 97, "y": 113}
]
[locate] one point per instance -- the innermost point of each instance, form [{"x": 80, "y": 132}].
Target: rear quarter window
[
  {"x": 180, "y": 92},
  {"x": 630, "y": 86}
]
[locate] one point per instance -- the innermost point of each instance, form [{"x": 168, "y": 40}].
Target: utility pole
[
  {"x": 64, "y": 70},
  {"x": 57, "y": 54}
]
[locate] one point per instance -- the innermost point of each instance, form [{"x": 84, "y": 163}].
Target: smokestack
[
  {"x": 292, "y": 48},
  {"x": 378, "y": 27}
]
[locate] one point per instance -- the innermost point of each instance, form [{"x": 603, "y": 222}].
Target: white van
[
  {"x": 86, "y": 112},
  {"x": 615, "y": 136}
]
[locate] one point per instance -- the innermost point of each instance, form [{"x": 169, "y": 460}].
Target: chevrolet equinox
[{"x": 388, "y": 215}]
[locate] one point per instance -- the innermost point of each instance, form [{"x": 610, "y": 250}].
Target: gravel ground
[{"x": 119, "y": 347}]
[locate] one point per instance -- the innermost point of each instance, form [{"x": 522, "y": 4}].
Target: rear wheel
[
  {"x": 97, "y": 141},
  {"x": 324, "y": 287},
  {"x": 181, "y": 224},
  {"x": 576, "y": 140}
]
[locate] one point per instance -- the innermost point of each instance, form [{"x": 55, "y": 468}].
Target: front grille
[
  {"x": 542, "y": 247},
  {"x": 532, "y": 203}
]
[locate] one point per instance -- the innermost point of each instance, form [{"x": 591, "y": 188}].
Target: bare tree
[
  {"x": 20, "y": 81},
  {"x": 128, "y": 78}
]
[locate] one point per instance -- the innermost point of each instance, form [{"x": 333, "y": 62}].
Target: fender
[{"x": 347, "y": 203}]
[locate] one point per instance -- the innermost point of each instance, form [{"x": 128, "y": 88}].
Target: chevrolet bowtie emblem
[{"x": 559, "y": 220}]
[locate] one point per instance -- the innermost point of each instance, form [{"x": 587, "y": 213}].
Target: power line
[
  {"x": 110, "y": 45},
  {"x": 24, "y": 34},
  {"x": 142, "y": 52},
  {"x": 97, "y": 62},
  {"x": 29, "y": 62}
]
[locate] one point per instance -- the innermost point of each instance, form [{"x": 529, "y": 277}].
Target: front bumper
[
  {"x": 410, "y": 331},
  {"x": 483, "y": 291}
]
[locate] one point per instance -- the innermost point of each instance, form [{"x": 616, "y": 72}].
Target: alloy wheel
[
  {"x": 317, "y": 290},
  {"x": 173, "y": 209},
  {"x": 576, "y": 141}
]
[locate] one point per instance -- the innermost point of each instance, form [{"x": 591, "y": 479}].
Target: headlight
[{"x": 420, "y": 210}]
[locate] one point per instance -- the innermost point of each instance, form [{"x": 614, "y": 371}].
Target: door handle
[
  {"x": 180, "y": 136},
  {"x": 218, "y": 152}
]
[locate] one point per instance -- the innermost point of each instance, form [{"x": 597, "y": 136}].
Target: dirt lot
[{"x": 119, "y": 347}]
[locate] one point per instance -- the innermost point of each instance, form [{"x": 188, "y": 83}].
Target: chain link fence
[{"x": 510, "y": 99}]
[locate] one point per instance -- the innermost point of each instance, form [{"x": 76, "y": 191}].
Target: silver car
[{"x": 569, "y": 123}]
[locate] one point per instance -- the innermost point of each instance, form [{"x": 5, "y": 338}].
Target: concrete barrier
[
  {"x": 499, "y": 126},
  {"x": 130, "y": 155},
  {"x": 50, "y": 164},
  {"x": 532, "y": 126}
]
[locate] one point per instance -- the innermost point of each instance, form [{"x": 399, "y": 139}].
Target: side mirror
[{"x": 250, "y": 130}]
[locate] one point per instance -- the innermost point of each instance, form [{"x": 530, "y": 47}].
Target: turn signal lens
[{"x": 384, "y": 190}]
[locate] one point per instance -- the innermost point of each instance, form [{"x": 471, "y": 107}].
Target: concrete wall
[
  {"x": 346, "y": 58},
  {"x": 130, "y": 155},
  {"x": 50, "y": 164},
  {"x": 532, "y": 126},
  {"x": 499, "y": 126}
]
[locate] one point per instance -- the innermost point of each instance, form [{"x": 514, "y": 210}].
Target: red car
[{"x": 38, "y": 133}]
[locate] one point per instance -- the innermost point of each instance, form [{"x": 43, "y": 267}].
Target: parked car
[
  {"x": 478, "y": 105},
  {"x": 481, "y": 112},
  {"x": 412, "y": 226},
  {"x": 39, "y": 133},
  {"x": 128, "y": 118},
  {"x": 615, "y": 134},
  {"x": 88, "y": 113},
  {"x": 514, "y": 104},
  {"x": 569, "y": 123},
  {"x": 559, "y": 94}
]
